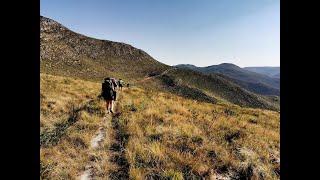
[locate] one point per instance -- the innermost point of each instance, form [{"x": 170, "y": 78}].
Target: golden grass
[
  {"x": 174, "y": 137},
  {"x": 68, "y": 158},
  {"x": 169, "y": 136},
  {"x": 59, "y": 94}
]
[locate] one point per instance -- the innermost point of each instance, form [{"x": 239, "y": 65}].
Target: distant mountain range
[{"x": 248, "y": 77}]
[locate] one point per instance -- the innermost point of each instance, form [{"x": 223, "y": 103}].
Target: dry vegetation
[
  {"x": 65, "y": 148},
  {"x": 174, "y": 137},
  {"x": 162, "y": 135},
  {"x": 59, "y": 95}
]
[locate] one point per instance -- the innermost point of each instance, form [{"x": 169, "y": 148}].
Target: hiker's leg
[
  {"x": 111, "y": 106},
  {"x": 107, "y": 106}
]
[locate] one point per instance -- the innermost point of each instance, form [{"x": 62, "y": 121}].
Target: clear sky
[{"x": 199, "y": 32}]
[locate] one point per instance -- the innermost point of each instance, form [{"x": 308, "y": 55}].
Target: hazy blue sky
[{"x": 199, "y": 32}]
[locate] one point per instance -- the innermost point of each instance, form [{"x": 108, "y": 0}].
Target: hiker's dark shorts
[{"x": 108, "y": 96}]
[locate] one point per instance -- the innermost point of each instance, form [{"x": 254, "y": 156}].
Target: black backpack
[{"x": 107, "y": 86}]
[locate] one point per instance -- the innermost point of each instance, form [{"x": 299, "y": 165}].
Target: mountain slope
[
  {"x": 269, "y": 71},
  {"x": 254, "y": 82},
  {"x": 64, "y": 52},
  {"x": 219, "y": 87}
]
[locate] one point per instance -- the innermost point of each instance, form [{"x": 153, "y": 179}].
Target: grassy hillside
[
  {"x": 66, "y": 53},
  {"x": 255, "y": 87},
  {"x": 215, "y": 86},
  {"x": 70, "y": 115},
  {"x": 153, "y": 135}
]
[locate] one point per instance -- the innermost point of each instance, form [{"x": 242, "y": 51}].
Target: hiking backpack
[{"x": 107, "y": 86}]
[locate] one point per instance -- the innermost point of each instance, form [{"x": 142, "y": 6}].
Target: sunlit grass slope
[
  {"x": 174, "y": 137},
  {"x": 167, "y": 136},
  {"x": 70, "y": 115}
]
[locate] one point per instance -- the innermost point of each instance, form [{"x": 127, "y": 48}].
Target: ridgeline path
[{"x": 152, "y": 77}]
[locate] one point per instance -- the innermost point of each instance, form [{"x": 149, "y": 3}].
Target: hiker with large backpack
[{"x": 108, "y": 94}]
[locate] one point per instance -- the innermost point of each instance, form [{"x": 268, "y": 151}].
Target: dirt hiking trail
[{"x": 109, "y": 130}]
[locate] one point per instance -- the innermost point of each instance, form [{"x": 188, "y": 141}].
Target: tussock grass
[
  {"x": 178, "y": 138},
  {"x": 157, "y": 135},
  {"x": 59, "y": 96},
  {"x": 71, "y": 122}
]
